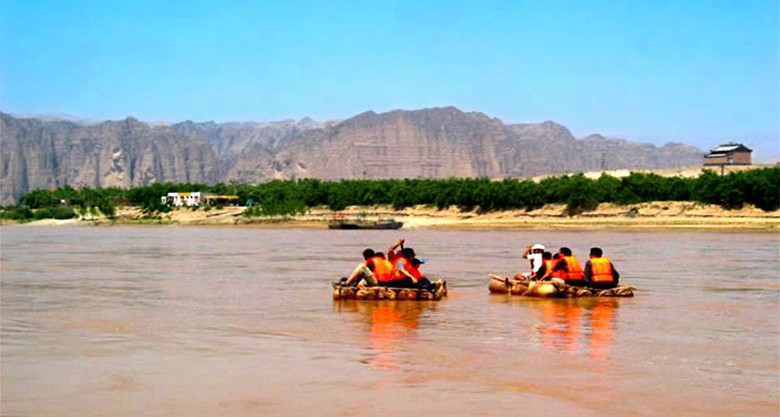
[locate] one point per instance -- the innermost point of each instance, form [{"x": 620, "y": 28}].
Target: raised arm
[
  {"x": 527, "y": 251},
  {"x": 391, "y": 254}
]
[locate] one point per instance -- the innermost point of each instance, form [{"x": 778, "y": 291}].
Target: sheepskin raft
[
  {"x": 506, "y": 285},
  {"x": 438, "y": 290}
]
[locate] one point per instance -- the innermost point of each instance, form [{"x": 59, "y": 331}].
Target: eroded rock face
[
  {"x": 128, "y": 153},
  {"x": 435, "y": 143},
  {"x": 446, "y": 142},
  {"x": 429, "y": 143}
]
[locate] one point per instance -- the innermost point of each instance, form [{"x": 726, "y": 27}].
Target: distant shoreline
[{"x": 644, "y": 216}]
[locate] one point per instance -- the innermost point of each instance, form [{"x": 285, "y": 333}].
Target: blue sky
[{"x": 697, "y": 72}]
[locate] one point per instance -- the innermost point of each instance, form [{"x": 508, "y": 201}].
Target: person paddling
[
  {"x": 392, "y": 254},
  {"x": 402, "y": 270}
]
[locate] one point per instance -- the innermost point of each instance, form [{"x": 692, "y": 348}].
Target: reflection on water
[
  {"x": 390, "y": 324},
  {"x": 128, "y": 321},
  {"x": 577, "y": 326}
]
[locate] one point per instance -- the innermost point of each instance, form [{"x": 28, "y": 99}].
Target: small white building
[{"x": 182, "y": 199}]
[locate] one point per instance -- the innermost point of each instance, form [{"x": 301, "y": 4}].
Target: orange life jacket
[
  {"x": 383, "y": 269},
  {"x": 559, "y": 273},
  {"x": 575, "y": 272},
  {"x": 413, "y": 271},
  {"x": 601, "y": 270}
]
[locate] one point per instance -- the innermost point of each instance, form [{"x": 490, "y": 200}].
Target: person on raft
[
  {"x": 545, "y": 272},
  {"x": 383, "y": 269},
  {"x": 599, "y": 271},
  {"x": 405, "y": 274},
  {"x": 534, "y": 255},
  {"x": 392, "y": 254},
  {"x": 569, "y": 269},
  {"x": 422, "y": 281},
  {"x": 376, "y": 270},
  {"x": 363, "y": 272}
]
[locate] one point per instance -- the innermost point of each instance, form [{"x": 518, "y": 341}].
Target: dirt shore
[{"x": 656, "y": 215}]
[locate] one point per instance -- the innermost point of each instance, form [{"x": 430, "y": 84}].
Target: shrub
[
  {"x": 58, "y": 213},
  {"x": 17, "y": 213}
]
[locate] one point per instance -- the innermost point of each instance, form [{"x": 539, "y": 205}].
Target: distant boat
[{"x": 363, "y": 224}]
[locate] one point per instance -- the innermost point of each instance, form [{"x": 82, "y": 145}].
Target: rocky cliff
[
  {"x": 446, "y": 142},
  {"x": 440, "y": 143},
  {"x": 35, "y": 154}
]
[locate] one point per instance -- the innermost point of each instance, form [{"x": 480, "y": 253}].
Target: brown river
[{"x": 221, "y": 321}]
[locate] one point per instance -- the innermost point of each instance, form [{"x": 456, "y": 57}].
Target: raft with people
[
  {"x": 396, "y": 276},
  {"x": 552, "y": 289},
  {"x": 435, "y": 292}
]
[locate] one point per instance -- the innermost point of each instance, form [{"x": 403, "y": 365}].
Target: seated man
[
  {"x": 545, "y": 270},
  {"x": 557, "y": 274},
  {"x": 569, "y": 268},
  {"x": 383, "y": 269},
  {"x": 363, "y": 272},
  {"x": 422, "y": 281},
  {"x": 599, "y": 271},
  {"x": 534, "y": 255}
]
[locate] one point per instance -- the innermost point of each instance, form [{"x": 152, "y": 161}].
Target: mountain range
[{"x": 430, "y": 143}]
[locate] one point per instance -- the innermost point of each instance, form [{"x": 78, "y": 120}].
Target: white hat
[{"x": 537, "y": 246}]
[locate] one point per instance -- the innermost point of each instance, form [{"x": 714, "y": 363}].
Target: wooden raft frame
[
  {"x": 390, "y": 293},
  {"x": 546, "y": 289}
]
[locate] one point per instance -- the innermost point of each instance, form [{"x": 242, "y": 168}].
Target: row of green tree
[
  {"x": 758, "y": 187},
  {"x": 64, "y": 203}
]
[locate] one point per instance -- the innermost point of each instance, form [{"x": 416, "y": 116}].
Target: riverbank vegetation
[{"x": 758, "y": 187}]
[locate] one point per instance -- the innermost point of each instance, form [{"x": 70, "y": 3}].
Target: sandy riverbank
[{"x": 657, "y": 215}]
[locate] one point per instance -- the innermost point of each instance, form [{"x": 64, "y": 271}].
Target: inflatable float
[
  {"x": 437, "y": 291},
  {"x": 507, "y": 285}
]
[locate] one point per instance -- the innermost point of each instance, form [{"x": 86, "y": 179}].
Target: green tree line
[{"x": 759, "y": 187}]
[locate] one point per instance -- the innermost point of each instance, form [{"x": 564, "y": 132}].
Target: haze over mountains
[{"x": 431, "y": 143}]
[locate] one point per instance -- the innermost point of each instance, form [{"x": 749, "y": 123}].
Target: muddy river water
[{"x": 225, "y": 321}]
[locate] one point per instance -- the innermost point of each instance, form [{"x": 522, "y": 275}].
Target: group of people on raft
[
  {"x": 401, "y": 268},
  {"x": 397, "y": 269},
  {"x": 599, "y": 272}
]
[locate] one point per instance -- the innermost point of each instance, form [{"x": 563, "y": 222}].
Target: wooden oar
[{"x": 498, "y": 277}]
